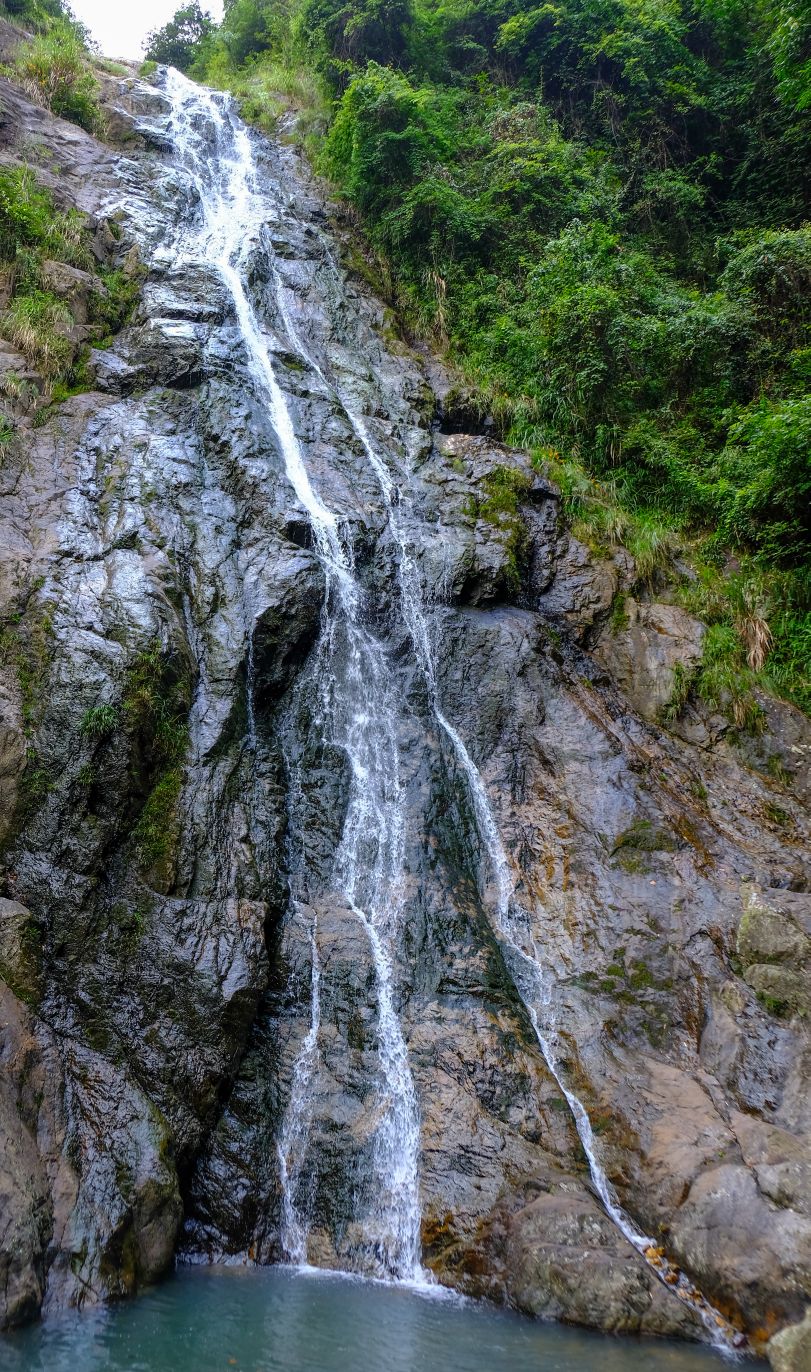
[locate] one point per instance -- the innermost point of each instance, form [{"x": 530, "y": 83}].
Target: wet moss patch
[
  {"x": 643, "y": 836},
  {"x": 504, "y": 488},
  {"x": 156, "y": 701}
]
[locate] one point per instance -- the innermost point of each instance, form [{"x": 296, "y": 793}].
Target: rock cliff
[{"x": 161, "y": 602}]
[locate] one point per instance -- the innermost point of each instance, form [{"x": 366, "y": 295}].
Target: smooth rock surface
[
  {"x": 644, "y": 652},
  {"x": 790, "y": 1350}
]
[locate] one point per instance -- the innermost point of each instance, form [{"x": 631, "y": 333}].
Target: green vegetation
[
  {"x": 156, "y": 830},
  {"x": 33, "y": 233},
  {"x": 54, "y": 68},
  {"x": 632, "y": 847},
  {"x": 176, "y": 43},
  {"x": 34, "y": 14},
  {"x": 36, "y": 322},
  {"x": 644, "y": 837},
  {"x": 31, "y": 224},
  {"x": 54, "y": 65},
  {"x": 112, "y": 307},
  {"x": 680, "y": 694},
  {"x": 634, "y": 985},
  {"x": 156, "y": 705},
  {"x": 129, "y": 923},
  {"x": 266, "y": 89},
  {"x": 26, "y": 649},
  {"x": 156, "y": 702},
  {"x": 8, "y": 434},
  {"x": 100, "y": 721},
  {"x": 21, "y": 964},
  {"x": 759, "y": 635},
  {"x": 26, "y": 641},
  {"x": 724, "y": 677},
  {"x": 599, "y": 210},
  {"x": 504, "y": 487}
]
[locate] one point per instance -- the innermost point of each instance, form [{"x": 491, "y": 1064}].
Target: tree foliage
[
  {"x": 176, "y": 43},
  {"x": 600, "y": 208}
]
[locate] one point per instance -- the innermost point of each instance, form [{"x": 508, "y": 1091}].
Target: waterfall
[
  {"x": 529, "y": 970},
  {"x": 350, "y": 678},
  {"x": 291, "y": 1147}
]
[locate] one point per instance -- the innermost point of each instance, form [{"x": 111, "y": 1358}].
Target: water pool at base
[{"x": 221, "y": 1319}]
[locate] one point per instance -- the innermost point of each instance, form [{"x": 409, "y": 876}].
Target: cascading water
[
  {"x": 349, "y": 676},
  {"x": 528, "y": 968},
  {"x": 350, "y": 680},
  {"x": 532, "y": 978},
  {"x": 291, "y": 1147}
]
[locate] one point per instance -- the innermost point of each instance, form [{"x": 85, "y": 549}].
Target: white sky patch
[{"x": 120, "y": 26}]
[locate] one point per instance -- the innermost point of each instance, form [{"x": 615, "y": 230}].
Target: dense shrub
[
  {"x": 29, "y": 220},
  {"x": 764, "y": 489},
  {"x": 599, "y": 207},
  {"x": 54, "y": 68},
  {"x": 36, "y": 323},
  {"x": 247, "y": 29},
  {"x": 34, "y": 13},
  {"x": 26, "y": 212}
]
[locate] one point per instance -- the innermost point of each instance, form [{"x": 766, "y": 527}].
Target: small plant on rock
[
  {"x": 37, "y": 324},
  {"x": 100, "y": 721},
  {"x": 679, "y": 694}
]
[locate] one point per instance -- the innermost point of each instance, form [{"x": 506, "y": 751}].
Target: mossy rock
[
  {"x": 643, "y": 836},
  {"x": 766, "y": 936},
  {"x": 774, "y": 955},
  {"x": 781, "y": 990},
  {"x": 20, "y": 952}
]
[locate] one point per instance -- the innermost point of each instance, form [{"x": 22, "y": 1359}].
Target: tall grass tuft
[{"x": 54, "y": 69}]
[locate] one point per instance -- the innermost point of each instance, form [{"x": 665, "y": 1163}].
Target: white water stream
[
  {"x": 352, "y": 682},
  {"x": 351, "y": 676}
]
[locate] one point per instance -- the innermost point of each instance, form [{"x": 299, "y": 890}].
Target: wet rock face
[
  {"x": 562, "y": 1258},
  {"x": 774, "y": 946},
  {"x": 162, "y": 609},
  {"x": 140, "y": 871},
  {"x": 646, "y": 651}
]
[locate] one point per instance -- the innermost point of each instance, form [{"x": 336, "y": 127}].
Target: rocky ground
[{"x": 155, "y": 984}]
